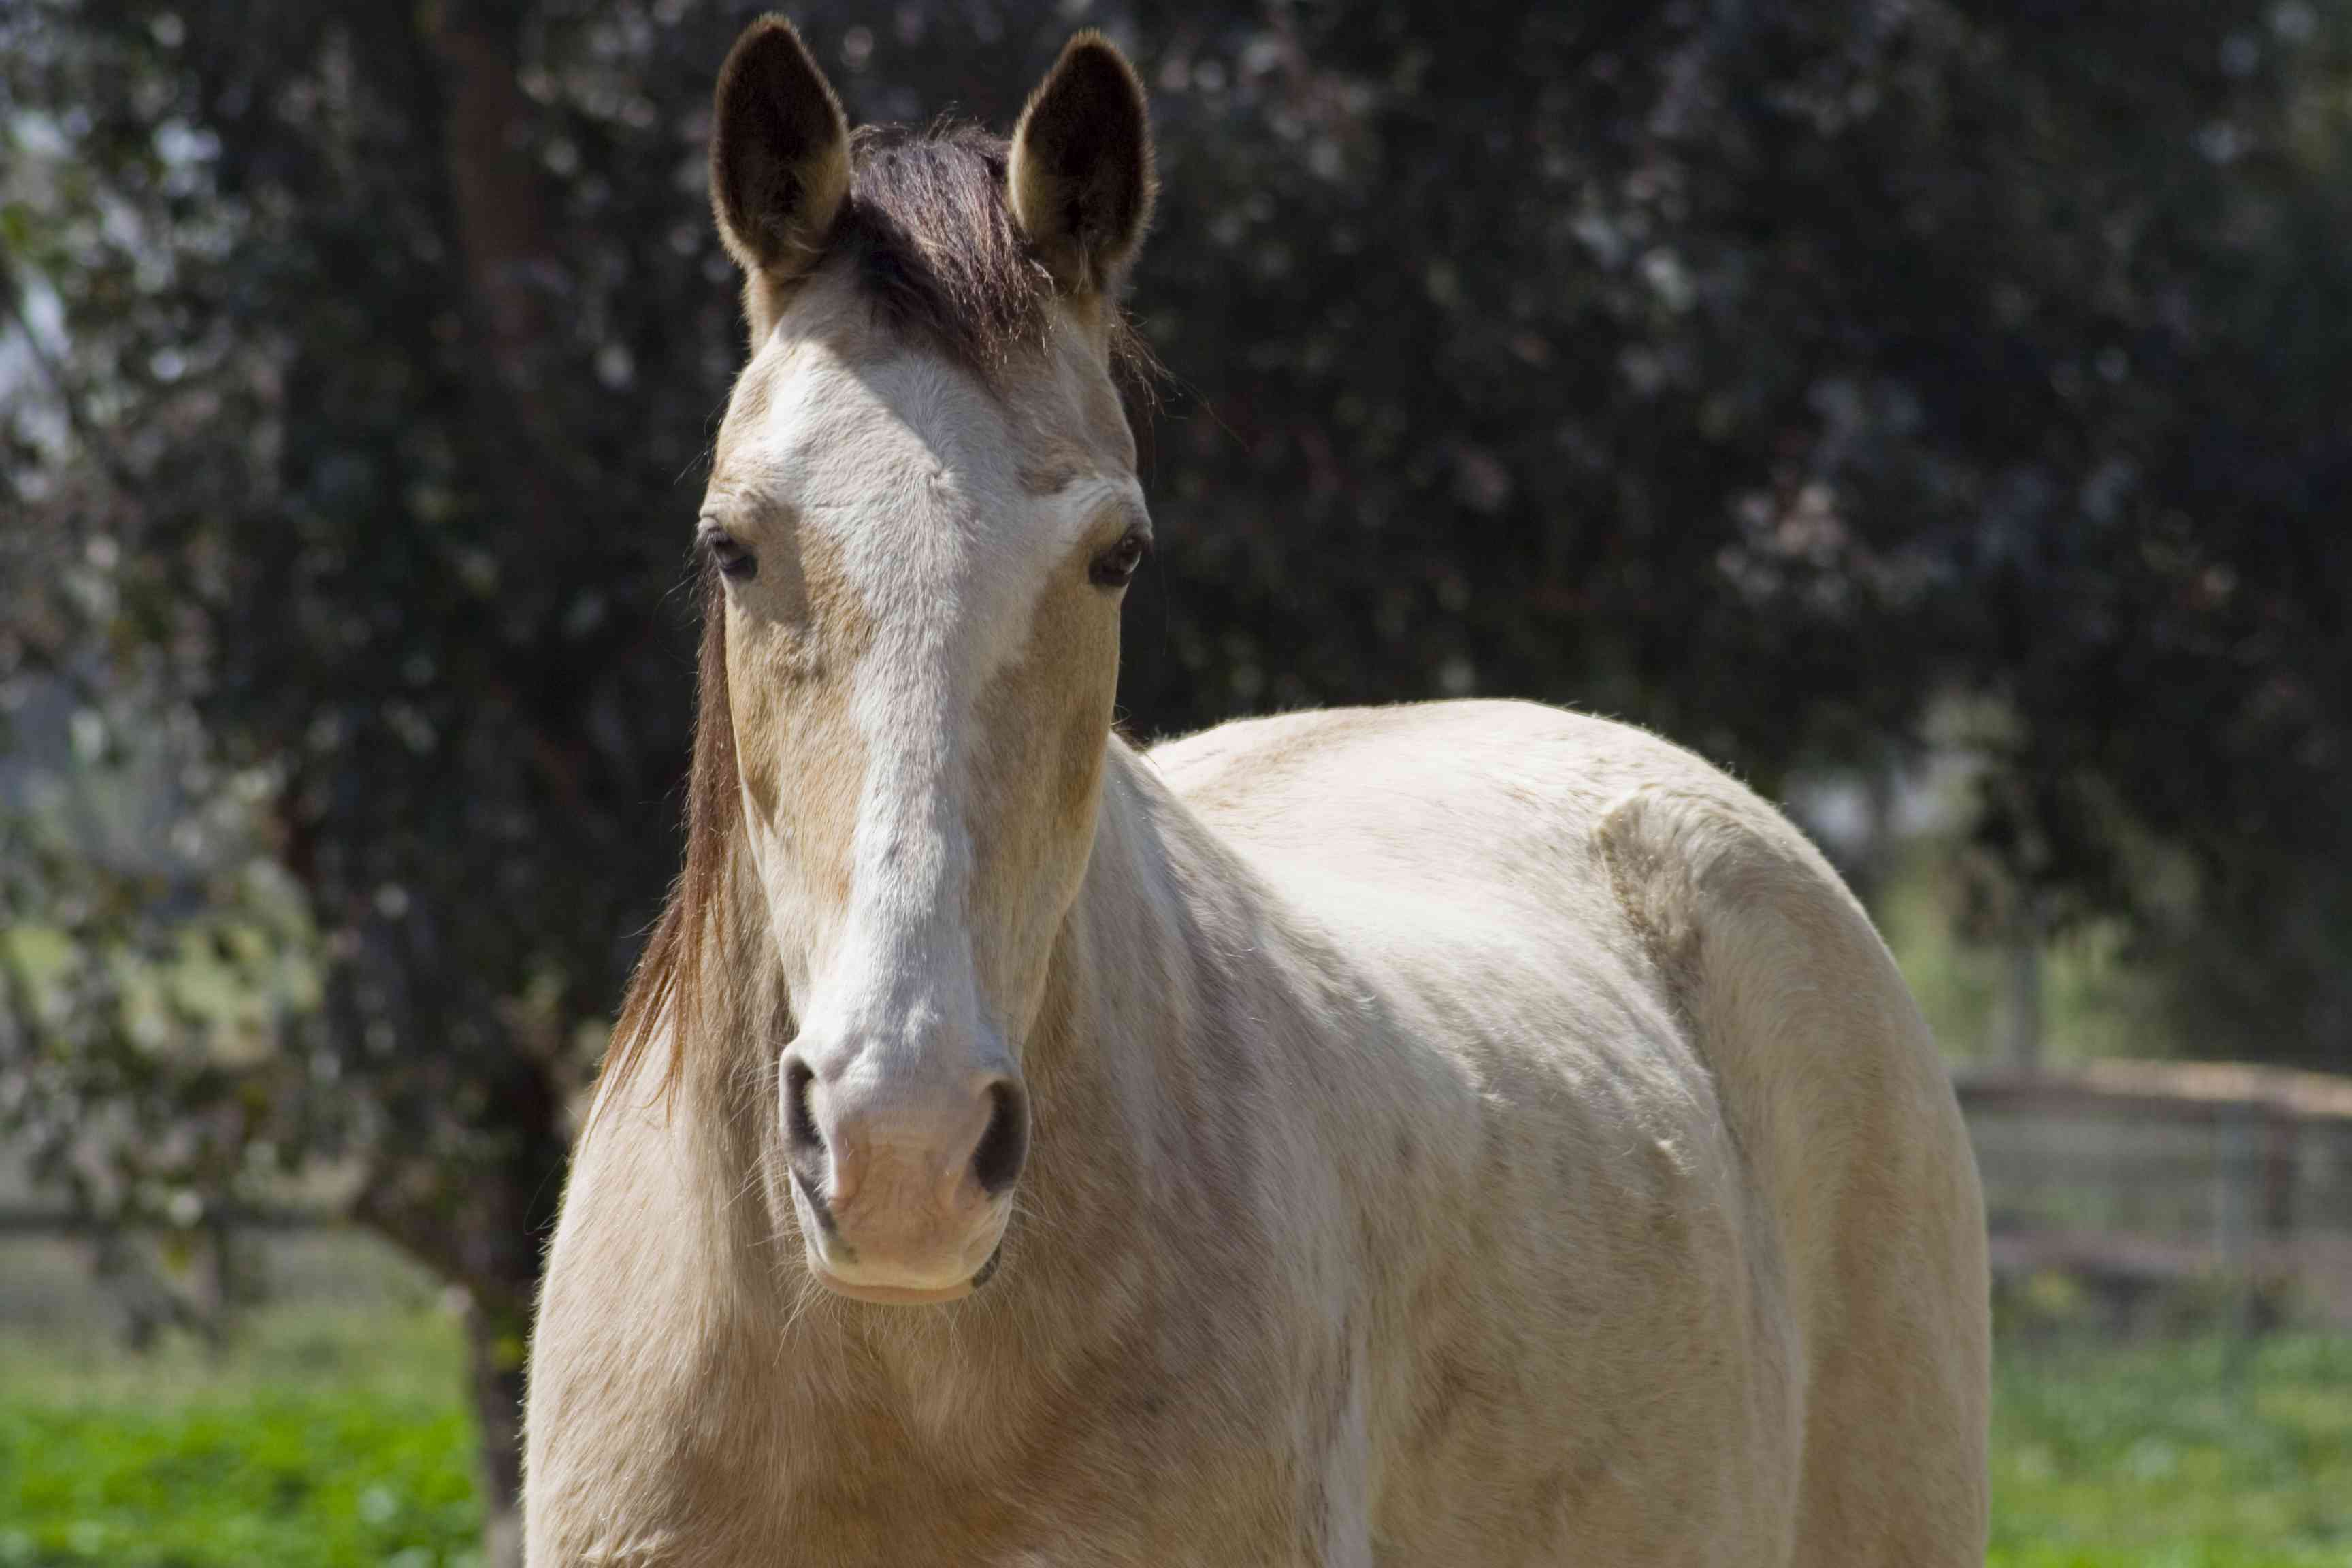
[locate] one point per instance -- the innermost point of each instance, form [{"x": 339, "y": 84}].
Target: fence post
[
  {"x": 2282, "y": 1150},
  {"x": 2236, "y": 1165}
]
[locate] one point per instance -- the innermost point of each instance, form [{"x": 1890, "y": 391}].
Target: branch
[{"x": 86, "y": 431}]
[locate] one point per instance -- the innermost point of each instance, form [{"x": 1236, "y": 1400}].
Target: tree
[{"x": 1762, "y": 373}]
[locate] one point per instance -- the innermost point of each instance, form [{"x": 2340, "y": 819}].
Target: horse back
[{"x": 1735, "y": 1171}]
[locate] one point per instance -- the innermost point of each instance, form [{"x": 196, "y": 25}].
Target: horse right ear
[
  {"x": 1080, "y": 176},
  {"x": 779, "y": 154}
]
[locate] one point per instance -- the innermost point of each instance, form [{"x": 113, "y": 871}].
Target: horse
[{"x": 1458, "y": 1134}]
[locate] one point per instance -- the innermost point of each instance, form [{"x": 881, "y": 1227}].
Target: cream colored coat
[
  {"x": 1463, "y": 1136},
  {"x": 1467, "y": 1134}
]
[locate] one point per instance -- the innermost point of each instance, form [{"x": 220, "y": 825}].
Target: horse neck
[
  {"x": 1126, "y": 1059},
  {"x": 1088, "y": 1053}
]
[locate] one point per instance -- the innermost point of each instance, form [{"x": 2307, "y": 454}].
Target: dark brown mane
[
  {"x": 931, "y": 235},
  {"x": 668, "y": 973},
  {"x": 933, "y": 240}
]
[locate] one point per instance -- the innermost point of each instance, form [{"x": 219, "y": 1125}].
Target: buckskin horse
[{"x": 1458, "y": 1135}]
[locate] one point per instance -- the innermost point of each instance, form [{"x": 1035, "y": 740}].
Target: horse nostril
[
  {"x": 1006, "y": 1145},
  {"x": 801, "y": 1136}
]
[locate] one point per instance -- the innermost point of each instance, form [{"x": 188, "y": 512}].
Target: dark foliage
[{"x": 1770, "y": 374}]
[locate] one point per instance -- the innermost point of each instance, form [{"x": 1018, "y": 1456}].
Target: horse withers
[{"x": 1443, "y": 1135}]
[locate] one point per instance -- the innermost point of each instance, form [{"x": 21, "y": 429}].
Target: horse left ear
[
  {"x": 779, "y": 154},
  {"x": 1081, "y": 181}
]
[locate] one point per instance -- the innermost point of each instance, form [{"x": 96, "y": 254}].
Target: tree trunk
[
  {"x": 511, "y": 269},
  {"x": 481, "y": 1227},
  {"x": 495, "y": 1336},
  {"x": 502, "y": 1223}
]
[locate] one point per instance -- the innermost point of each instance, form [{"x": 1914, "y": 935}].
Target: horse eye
[
  {"x": 733, "y": 560},
  {"x": 1114, "y": 566}
]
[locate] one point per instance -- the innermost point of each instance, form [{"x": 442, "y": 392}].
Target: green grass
[
  {"x": 317, "y": 1440},
  {"x": 2193, "y": 1455},
  {"x": 337, "y": 1437}
]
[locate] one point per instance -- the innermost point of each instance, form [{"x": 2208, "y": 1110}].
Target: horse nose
[
  {"x": 903, "y": 1176},
  {"x": 842, "y": 1134},
  {"x": 1003, "y": 1146}
]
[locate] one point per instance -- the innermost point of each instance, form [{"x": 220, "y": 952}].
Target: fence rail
[
  {"x": 2132, "y": 1177},
  {"x": 2137, "y": 1176}
]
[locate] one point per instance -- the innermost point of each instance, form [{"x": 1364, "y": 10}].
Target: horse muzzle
[{"x": 903, "y": 1194}]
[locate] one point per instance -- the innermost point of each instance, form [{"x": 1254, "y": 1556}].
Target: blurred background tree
[{"x": 1826, "y": 385}]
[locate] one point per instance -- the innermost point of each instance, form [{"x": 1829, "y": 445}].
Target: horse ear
[
  {"x": 779, "y": 154},
  {"x": 1081, "y": 180}
]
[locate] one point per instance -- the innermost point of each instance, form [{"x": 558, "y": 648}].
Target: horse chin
[
  {"x": 893, "y": 1295},
  {"x": 906, "y": 1295}
]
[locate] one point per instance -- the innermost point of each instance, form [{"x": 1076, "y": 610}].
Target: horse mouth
[{"x": 911, "y": 1296}]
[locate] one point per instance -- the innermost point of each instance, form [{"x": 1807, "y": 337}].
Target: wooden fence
[
  {"x": 2132, "y": 1178},
  {"x": 2137, "y": 1177}
]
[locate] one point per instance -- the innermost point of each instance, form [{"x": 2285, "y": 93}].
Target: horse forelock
[{"x": 928, "y": 235}]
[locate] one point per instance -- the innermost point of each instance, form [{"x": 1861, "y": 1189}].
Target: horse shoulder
[{"x": 633, "y": 1444}]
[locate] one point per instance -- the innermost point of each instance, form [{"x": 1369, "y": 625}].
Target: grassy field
[
  {"x": 319, "y": 1438},
  {"x": 334, "y": 1437},
  {"x": 2197, "y": 1455}
]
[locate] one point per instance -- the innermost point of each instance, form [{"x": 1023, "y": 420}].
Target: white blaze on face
[
  {"x": 904, "y": 467},
  {"x": 909, "y": 471}
]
